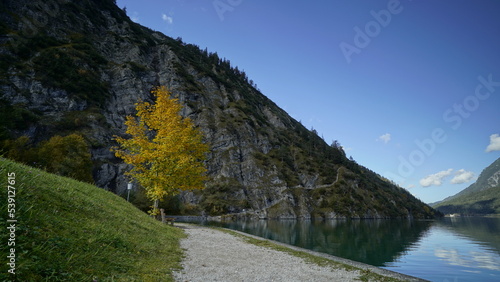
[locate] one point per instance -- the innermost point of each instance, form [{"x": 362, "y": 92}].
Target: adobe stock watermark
[
  {"x": 224, "y": 6},
  {"x": 454, "y": 117},
  {"x": 11, "y": 223},
  {"x": 363, "y": 36}
]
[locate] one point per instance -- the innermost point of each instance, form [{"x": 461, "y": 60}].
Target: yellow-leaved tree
[{"x": 165, "y": 149}]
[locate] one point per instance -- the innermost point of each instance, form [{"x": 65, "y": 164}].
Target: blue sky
[{"x": 411, "y": 89}]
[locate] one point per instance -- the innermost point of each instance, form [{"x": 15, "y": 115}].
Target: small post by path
[
  {"x": 163, "y": 220},
  {"x": 129, "y": 187}
]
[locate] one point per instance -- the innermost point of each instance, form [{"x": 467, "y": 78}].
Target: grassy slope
[{"x": 69, "y": 230}]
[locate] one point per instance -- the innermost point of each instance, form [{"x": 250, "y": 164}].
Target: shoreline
[
  {"x": 360, "y": 265},
  {"x": 330, "y": 265}
]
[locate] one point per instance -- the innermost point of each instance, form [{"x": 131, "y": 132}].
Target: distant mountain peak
[{"x": 481, "y": 197}]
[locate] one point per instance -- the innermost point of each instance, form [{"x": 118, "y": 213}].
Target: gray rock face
[
  {"x": 257, "y": 150},
  {"x": 494, "y": 180}
]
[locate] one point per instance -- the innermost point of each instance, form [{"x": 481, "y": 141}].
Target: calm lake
[{"x": 448, "y": 249}]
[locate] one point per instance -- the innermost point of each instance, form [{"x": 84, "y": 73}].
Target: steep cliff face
[{"x": 80, "y": 66}]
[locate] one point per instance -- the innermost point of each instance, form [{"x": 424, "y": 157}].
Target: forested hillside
[
  {"x": 78, "y": 68},
  {"x": 482, "y": 197}
]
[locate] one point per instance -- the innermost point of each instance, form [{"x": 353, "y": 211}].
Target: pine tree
[{"x": 165, "y": 150}]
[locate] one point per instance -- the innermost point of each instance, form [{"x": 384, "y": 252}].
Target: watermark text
[
  {"x": 11, "y": 222},
  {"x": 364, "y": 36},
  {"x": 454, "y": 117},
  {"x": 224, "y": 6}
]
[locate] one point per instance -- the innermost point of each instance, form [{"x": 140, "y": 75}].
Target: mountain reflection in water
[
  {"x": 373, "y": 242},
  {"x": 448, "y": 249}
]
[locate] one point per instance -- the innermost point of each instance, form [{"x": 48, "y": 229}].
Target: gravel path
[{"x": 212, "y": 255}]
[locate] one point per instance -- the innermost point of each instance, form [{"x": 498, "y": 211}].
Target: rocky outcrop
[
  {"x": 494, "y": 180},
  {"x": 82, "y": 66}
]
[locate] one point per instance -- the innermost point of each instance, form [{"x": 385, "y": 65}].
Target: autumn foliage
[
  {"x": 165, "y": 149},
  {"x": 67, "y": 156}
]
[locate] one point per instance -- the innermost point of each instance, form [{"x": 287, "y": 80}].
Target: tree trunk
[{"x": 155, "y": 208}]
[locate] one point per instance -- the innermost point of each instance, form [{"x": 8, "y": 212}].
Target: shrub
[{"x": 66, "y": 156}]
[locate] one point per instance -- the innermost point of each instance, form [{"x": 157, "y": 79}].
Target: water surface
[{"x": 449, "y": 249}]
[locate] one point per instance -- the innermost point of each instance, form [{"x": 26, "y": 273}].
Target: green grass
[
  {"x": 68, "y": 230},
  {"x": 366, "y": 275}
]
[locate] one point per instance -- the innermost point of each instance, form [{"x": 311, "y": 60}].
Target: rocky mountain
[
  {"x": 481, "y": 197},
  {"x": 79, "y": 67}
]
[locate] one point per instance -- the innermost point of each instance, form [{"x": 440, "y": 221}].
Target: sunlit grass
[{"x": 72, "y": 231}]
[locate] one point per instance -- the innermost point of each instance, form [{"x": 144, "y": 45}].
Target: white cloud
[
  {"x": 467, "y": 259},
  {"x": 435, "y": 179},
  {"x": 452, "y": 256},
  {"x": 494, "y": 143},
  {"x": 462, "y": 176},
  {"x": 166, "y": 18},
  {"x": 385, "y": 138}
]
